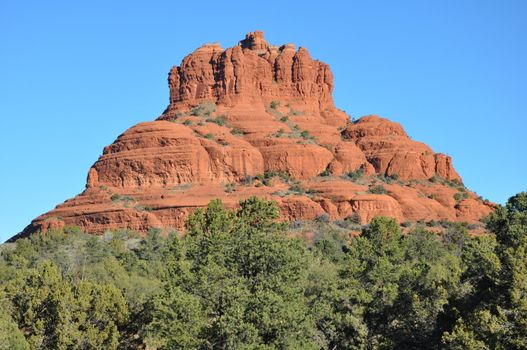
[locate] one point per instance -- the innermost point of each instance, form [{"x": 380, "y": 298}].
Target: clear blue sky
[{"x": 74, "y": 75}]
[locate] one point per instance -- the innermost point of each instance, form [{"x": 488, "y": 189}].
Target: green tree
[
  {"x": 369, "y": 281},
  {"x": 234, "y": 282},
  {"x": 239, "y": 280},
  {"x": 56, "y": 314},
  {"x": 397, "y": 286},
  {"x": 498, "y": 318},
  {"x": 430, "y": 275},
  {"x": 11, "y": 338}
]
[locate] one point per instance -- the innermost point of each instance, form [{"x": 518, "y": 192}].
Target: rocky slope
[{"x": 257, "y": 119}]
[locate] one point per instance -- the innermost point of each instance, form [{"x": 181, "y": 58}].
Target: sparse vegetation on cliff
[
  {"x": 203, "y": 109},
  {"x": 355, "y": 175},
  {"x": 378, "y": 189},
  {"x": 237, "y": 131}
]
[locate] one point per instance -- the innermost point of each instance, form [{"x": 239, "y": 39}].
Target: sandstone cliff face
[
  {"x": 391, "y": 152},
  {"x": 257, "y": 119},
  {"x": 251, "y": 73},
  {"x": 162, "y": 154}
]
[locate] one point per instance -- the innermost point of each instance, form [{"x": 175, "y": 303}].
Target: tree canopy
[{"x": 239, "y": 279}]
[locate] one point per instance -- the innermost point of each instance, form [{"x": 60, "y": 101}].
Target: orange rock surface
[
  {"x": 254, "y": 109},
  {"x": 392, "y": 152}
]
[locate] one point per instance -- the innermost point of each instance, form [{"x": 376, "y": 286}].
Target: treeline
[{"x": 239, "y": 280}]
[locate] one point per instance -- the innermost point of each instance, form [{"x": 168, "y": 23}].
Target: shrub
[
  {"x": 348, "y": 225},
  {"x": 143, "y": 208},
  {"x": 268, "y": 175},
  {"x": 229, "y": 187},
  {"x": 208, "y": 136},
  {"x": 472, "y": 226},
  {"x": 72, "y": 230},
  {"x": 118, "y": 198},
  {"x": 354, "y": 218},
  {"x": 284, "y": 119},
  {"x": 388, "y": 178},
  {"x": 281, "y": 174},
  {"x": 459, "y": 196},
  {"x": 248, "y": 180},
  {"x": 434, "y": 179},
  {"x": 325, "y": 173},
  {"x": 311, "y": 191},
  {"x": 274, "y": 104},
  {"x": 297, "y": 188},
  {"x": 394, "y": 176},
  {"x": 355, "y": 175},
  {"x": 187, "y": 122},
  {"x": 237, "y": 131},
  {"x": 379, "y": 189},
  {"x": 204, "y": 109},
  {"x": 323, "y": 218},
  {"x": 432, "y": 223},
  {"x": 296, "y": 224},
  {"x": 341, "y": 223},
  {"x": 221, "y": 120},
  {"x": 456, "y": 182},
  {"x": 445, "y": 223},
  {"x": 279, "y": 133},
  {"x": 406, "y": 223},
  {"x": 306, "y": 135}
]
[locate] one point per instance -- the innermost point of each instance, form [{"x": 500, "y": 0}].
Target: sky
[{"x": 75, "y": 74}]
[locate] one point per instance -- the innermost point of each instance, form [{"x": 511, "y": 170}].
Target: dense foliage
[{"x": 241, "y": 280}]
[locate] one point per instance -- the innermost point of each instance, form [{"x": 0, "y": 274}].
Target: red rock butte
[{"x": 257, "y": 119}]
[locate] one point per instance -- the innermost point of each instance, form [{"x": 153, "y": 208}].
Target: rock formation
[{"x": 257, "y": 119}]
